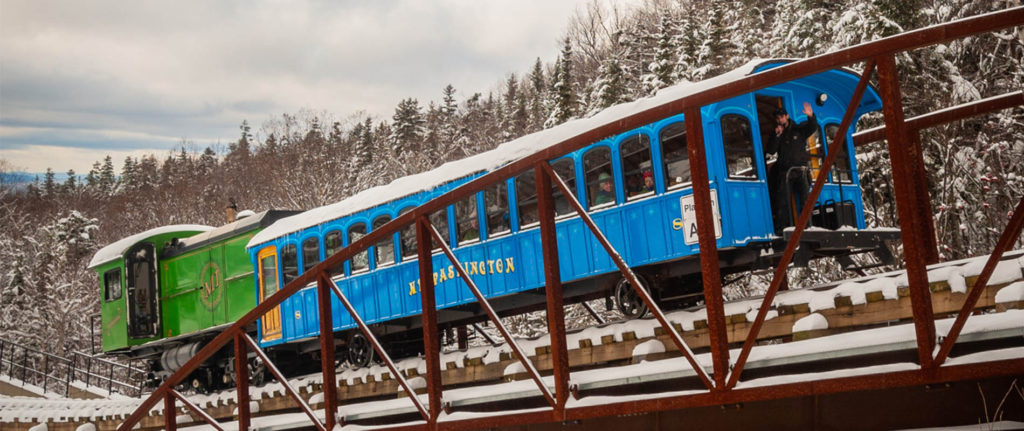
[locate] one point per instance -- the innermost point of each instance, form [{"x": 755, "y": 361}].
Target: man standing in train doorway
[{"x": 787, "y": 179}]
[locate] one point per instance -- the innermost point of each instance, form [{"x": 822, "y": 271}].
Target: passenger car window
[
  {"x": 567, "y": 172},
  {"x": 289, "y": 262},
  {"x": 635, "y": 153},
  {"x": 407, "y": 238},
  {"x": 384, "y": 250},
  {"x": 467, "y": 226},
  {"x": 332, "y": 244},
  {"x": 739, "y": 147},
  {"x": 496, "y": 203},
  {"x": 526, "y": 198},
  {"x": 439, "y": 220},
  {"x": 310, "y": 253},
  {"x": 841, "y": 171},
  {"x": 361, "y": 260},
  {"x": 675, "y": 158},
  {"x": 112, "y": 284},
  {"x": 597, "y": 168}
]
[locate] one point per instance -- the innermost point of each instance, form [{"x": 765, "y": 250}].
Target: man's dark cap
[{"x": 781, "y": 111}]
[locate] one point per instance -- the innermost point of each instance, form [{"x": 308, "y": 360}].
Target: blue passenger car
[{"x": 635, "y": 185}]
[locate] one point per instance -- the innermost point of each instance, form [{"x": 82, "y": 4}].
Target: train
[{"x": 167, "y": 291}]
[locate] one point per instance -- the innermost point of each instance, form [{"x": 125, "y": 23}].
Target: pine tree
[
  {"x": 563, "y": 104},
  {"x": 71, "y": 183},
  {"x": 408, "y": 128},
  {"x": 609, "y": 88},
  {"x": 662, "y": 69},
  {"x": 538, "y": 86},
  {"x": 107, "y": 179},
  {"x": 49, "y": 183}
]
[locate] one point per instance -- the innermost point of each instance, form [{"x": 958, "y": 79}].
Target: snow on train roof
[
  {"x": 486, "y": 161},
  {"x": 114, "y": 250}
]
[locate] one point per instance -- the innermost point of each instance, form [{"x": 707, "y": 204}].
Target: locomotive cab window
[
  {"x": 310, "y": 253},
  {"x": 359, "y": 262},
  {"x": 496, "y": 204},
  {"x": 467, "y": 225},
  {"x": 112, "y": 284},
  {"x": 526, "y": 199},
  {"x": 384, "y": 251},
  {"x": 841, "y": 172},
  {"x": 636, "y": 167},
  {"x": 289, "y": 262},
  {"x": 674, "y": 157},
  {"x": 597, "y": 167},
  {"x": 407, "y": 238},
  {"x": 566, "y": 171},
  {"x": 739, "y": 147},
  {"x": 332, "y": 243}
]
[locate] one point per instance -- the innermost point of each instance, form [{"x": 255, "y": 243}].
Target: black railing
[{"x": 57, "y": 374}]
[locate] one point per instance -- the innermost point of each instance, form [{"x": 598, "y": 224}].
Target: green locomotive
[{"x": 166, "y": 291}]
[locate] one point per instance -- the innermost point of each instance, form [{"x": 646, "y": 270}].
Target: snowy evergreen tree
[
  {"x": 407, "y": 128},
  {"x": 563, "y": 97},
  {"x": 661, "y": 69}
]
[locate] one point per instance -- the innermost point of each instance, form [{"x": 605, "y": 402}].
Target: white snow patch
[
  {"x": 1011, "y": 293},
  {"x": 811, "y": 322},
  {"x": 116, "y": 249},
  {"x": 514, "y": 368},
  {"x": 86, "y": 427},
  {"x": 648, "y": 347}
]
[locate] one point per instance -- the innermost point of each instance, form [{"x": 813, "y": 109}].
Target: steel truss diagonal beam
[
  {"x": 284, "y": 382},
  {"x": 486, "y": 305},
  {"x": 198, "y": 411},
  {"x": 378, "y": 348},
  {"x": 805, "y": 216},
  {"x": 631, "y": 277}
]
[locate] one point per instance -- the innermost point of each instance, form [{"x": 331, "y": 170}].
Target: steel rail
[
  {"x": 805, "y": 215},
  {"x": 198, "y": 411},
  {"x": 1011, "y": 234},
  {"x": 380, "y": 350},
  {"x": 631, "y": 277},
  {"x": 284, "y": 382},
  {"x": 486, "y": 305},
  {"x": 947, "y": 115}
]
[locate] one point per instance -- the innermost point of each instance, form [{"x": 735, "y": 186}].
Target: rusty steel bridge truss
[{"x": 915, "y": 221}]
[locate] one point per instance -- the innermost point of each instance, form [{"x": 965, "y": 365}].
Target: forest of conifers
[{"x": 305, "y": 159}]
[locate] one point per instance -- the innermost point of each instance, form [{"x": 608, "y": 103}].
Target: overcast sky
[{"x": 83, "y": 79}]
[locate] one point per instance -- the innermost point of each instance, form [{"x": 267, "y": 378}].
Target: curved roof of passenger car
[
  {"x": 514, "y": 150},
  {"x": 115, "y": 250}
]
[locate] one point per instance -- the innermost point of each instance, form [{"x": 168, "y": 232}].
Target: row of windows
[{"x": 637, "y": 175}]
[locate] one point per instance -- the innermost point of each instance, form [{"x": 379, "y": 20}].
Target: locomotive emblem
[{"x": 211, "y": 283}]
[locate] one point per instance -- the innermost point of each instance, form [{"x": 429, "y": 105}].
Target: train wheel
[
  {"x": 360, "y": 352},
  {"x": 257, "y": 372},
  {"x": 628, "y": 300}
]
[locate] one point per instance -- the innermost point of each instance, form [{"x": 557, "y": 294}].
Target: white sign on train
[{"x": 689, "y": 210}]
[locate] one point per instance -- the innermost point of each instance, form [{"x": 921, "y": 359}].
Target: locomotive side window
[
  {"x": 112, "y": 284},
  {"x": 675, "y": 158},
  {"x": 289, "y": 262},
  {"x": 439, "y": 220},
  {"x": 597, "y": 168},
  {"x": 526, "y": 198},
  {"x": 636, "y": 166},
  {"x": 496, "y": 203},
  {"x": 310, "y": 253},
  {"x": 565, "y": 170},
  {"x": 360, "y": 261},
  {"x": 841, "y": 172},
  {"x": 385, "y": 249},
  {"x": 268, "y": 275},
  {"x": 407, "y": 238},
  {"x": 739, "y": 147},
  {"x": 467, "y": 226}
]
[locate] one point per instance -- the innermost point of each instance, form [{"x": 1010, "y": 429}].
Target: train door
[
  {"x": 270, "y": 323},
  {"x": 143, "y": 296},
  {"x": 783, "y": 202},
  {"x": 742, "y": 189}
]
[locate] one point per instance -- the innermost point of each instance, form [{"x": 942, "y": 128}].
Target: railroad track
[{"x": 836, "y": 308}]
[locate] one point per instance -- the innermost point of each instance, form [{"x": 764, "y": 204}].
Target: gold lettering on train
[{"x": 500, "y": 266}]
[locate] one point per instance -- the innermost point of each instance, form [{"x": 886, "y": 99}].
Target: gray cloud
[{"x": 112, "y": 75}]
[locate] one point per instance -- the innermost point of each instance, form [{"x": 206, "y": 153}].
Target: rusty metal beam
[
  {"x": 779, "y": 277},
  {"x": 170, "y": 412},
  {"x": 911, "y": 225},
  {"x": 947, "y": 115},
  {"x": 330, "y": 386},
  {"x": 712, "y": 279},
  {"x": 552, "y": 287},
  {"x": 486, "y": 305},
  {"x": 380, "y": 351},
  {"x": 1011, "y": 234},
  {"x": 242, "y": 383},
  {"x": 198, "y": 411},
  {"x": 284, "y": 382},
  {"x": 428, "y": 301},
  {"x": 630, "y": 276},
  {"x": 922, "y": 204}
]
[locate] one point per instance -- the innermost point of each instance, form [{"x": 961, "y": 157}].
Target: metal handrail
[{"x": 65, "y": 370}]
